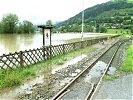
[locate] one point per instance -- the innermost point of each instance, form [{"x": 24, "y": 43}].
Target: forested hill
[{"x": 105, "y": 11}]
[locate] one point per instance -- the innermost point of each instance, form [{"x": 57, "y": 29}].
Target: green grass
[
  {"x": 118, "y": 31},
  {"x": 110, "y": 78},
  {"x": 14, "y": 77},
  {"x": 127, "y": 65},
  {"x": 130, "y": 1},
  {"x": 10, "y": 78}
]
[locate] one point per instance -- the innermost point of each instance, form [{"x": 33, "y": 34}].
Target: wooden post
[
  {"x": 74, "y": 46},
  {"x": 91, "y": 41},
  {"x": 21, "y": 58},
  {"x": 43, "y": 50},
  {"x": 80, "y": 44},
  {"x": 43, "y": 39},
  {"x": 50, "y": 52},
  {"x": 63, "y": 48}
]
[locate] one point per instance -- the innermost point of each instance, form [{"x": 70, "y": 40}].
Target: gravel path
[{"x": 118, "y": 89}]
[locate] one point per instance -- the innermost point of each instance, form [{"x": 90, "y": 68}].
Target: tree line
[{"x": 10, "y": 24}]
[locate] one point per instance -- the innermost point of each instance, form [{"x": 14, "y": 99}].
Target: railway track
[{"x": 85, "y": 84}]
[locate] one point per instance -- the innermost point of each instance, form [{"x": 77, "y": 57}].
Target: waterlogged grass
[
  {"x": 16, "y": 76},
  {"x": 110, "y": 78},
  {"x": 127, "y": 65}
]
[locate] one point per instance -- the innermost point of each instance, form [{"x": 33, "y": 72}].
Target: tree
[
  {"x": 88, "y": 28},
  {"x": 102, "y": 29},
  {"x": 9, "y": 23},
  {"x": 49, "y": 22},
  {"x": 28, "y": 27},
  {"x": 20, "y": 28},
  {"x": 0, "y": 27}
]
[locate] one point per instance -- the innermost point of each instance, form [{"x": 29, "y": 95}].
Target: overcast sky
[{"x": 39, "y": 11}]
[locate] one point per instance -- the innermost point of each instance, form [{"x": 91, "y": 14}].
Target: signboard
[
  {"x": 46, "y": 34},
  {"x": 47, "y": 37}
]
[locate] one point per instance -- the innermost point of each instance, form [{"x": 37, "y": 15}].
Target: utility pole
[{"x": 82, "y": 22}]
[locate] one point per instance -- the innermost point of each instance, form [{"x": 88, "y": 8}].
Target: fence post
[
  {"x": 87, "y": 42},
  {"x": 50, "y": 52},
  {"x": 81, "y": 44},
  {"x": 63, "y": 46},
  {"x": 47, "y": 53},
  {"x": 74, "y": 46},
  {"x": 21, "y": 58},
  {"x": 43, "y": 49},
  {"x": 91, "y": 42}
]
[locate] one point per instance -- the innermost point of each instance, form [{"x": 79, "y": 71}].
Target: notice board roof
[{"x": 45, "y": 26}]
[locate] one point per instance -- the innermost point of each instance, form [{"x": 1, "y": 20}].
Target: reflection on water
[
  {"x": 8, "y": 43},
  {"x": 16, "y": 42},
  {"x": 96, "y": 72},
  {"x": 111, "y": 71}
]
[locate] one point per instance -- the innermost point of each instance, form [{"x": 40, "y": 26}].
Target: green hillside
[{"x": 116, "y": 14}]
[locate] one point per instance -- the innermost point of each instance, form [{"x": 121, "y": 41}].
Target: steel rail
[
  {"x": 63, "y": 90},
  {"x": 95, "y": 87}
]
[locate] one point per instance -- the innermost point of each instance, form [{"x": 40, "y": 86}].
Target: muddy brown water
[{"x": 19, "y": 42}]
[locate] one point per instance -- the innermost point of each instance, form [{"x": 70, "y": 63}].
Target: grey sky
[{"x": 39, "y": 11}]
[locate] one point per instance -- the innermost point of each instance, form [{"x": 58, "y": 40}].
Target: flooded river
[{"x": 19, "y": 42}]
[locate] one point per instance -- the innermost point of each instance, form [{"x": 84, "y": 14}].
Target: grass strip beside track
[{"x": 10, "y": 78}]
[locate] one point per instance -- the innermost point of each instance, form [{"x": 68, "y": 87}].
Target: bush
[
  {"x": 128, "y": 26},
  {"x": 102, "y": 29}
]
